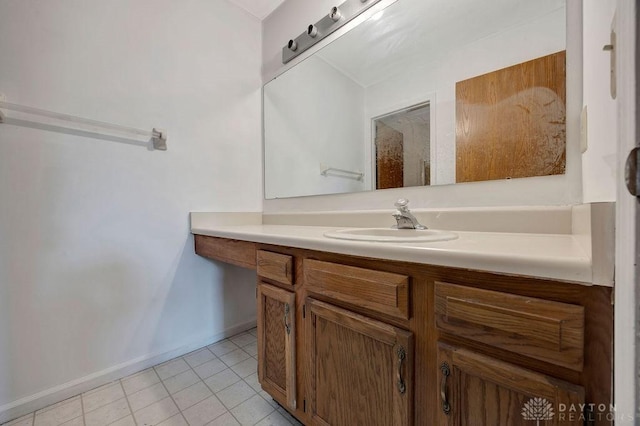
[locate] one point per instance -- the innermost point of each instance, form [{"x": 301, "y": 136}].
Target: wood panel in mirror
[
  {"x": 277, "y": 344},
  {"x": 389, "y": 157},
  {"x": 476, "y": 390},
  {"x": 361, "y": 369},
  {"x": 511, "y": 123}
]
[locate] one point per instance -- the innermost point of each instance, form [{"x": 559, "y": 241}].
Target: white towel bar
[
  {"x": 158, "y": 137},
  {"x": 324, "y": 170}
]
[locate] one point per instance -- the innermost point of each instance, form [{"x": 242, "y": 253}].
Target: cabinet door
[
  {"x": 276, "y": 343},
  {"x": 361, "y": 369},
  {"x": 479, "y": 390}
]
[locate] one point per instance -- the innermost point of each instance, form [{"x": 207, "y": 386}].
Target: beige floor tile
[
  {"x": 209, "y": 368},
  {"x": 147, "y": 396},
  {"x": 222, "y": 380},
  {"x": 274, "y": 419},
  {"x": 102, "y": 396},
  {"x": 125, "y": 421},
  {"x": 139, "y": 381},
  {"x": 246, "y": 367},
  {"x": 58, "y": 404},
  {"x": 21, "y": 421},
  {"x": 253, "y": 331},
  {"x": 181, "y": 381},
  {"x": 235, "y": 394},
  {"x": 234, "y": 357},
  {"x": 171, "y": 368},
  {"x": 198, "y": 357},
  {"x": 284, "y": 413},
  {"x": 216, "y": 386},
  {"x": 222, "y": 348},
  {"x": 252, "y": 410},
  {"x": 269, "y": 399},
  {"x": 177, "y": 420},
  {"x": 251, "y": 349},
  {"x": 243, "y": 339},
  {"x": 108, "y": 413},
  {"x": 252, "y": 380},
  {"x": 204, "y": 411},
  {"x": 156, "y": 412},
  {"x": 192, "y": 395},
  {"x": 78, "y": 421},
  {"x": 59, "y": 413},
  {"x": 224, "y": 420}
]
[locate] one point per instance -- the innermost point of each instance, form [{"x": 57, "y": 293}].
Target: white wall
[
  {"x": 312, "y": 117},
  {"x": 599, "y": 161},
  {"x": 547, "y": 190},
  {"x": 97, "y": 269}
]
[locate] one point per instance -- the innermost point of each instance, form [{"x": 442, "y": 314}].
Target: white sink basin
[{"x": 391, "y": 235}]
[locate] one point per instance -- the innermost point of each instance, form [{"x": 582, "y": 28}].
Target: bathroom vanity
[
  {"x": 492, "y": 326},
  {"x": 459, "y": 332}
]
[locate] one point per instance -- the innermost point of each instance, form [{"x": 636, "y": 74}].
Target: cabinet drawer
[
  {"x": 541, "y": 329},
  {"x": 275, "y": 266},
  {"x": 383, "y": 292}
]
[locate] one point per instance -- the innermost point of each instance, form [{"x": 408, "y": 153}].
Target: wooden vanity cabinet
[
  {"x": 276, "y": 313},
  {"x": 361, "y": 370},
  {"x": 368, "y": 341},
  {"x": 480, "y": 390},
  {"x": 277, "y": 343},
  {"x": 360, "y": 366}
]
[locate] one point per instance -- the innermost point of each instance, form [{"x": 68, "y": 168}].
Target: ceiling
[
  {"x": 258, "y": 8},
  {"x": 423, "y": 31}
]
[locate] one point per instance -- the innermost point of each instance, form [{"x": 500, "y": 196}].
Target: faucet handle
[{"x": 402, "y": 203}]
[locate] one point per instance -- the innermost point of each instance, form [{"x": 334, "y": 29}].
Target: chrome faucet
[{"x": 403, "y": 216}]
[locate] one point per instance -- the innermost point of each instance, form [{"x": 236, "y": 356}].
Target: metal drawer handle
[
  {"x": 446, "y": 407},
  {"x": 286, "y": 318},
  {"x": 402, "y": 355}
]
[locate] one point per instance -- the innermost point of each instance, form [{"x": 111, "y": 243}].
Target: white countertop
[{"x": 554, "y": 256}]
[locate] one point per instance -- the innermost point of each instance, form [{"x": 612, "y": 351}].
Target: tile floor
[{"x": 216, "y": 386}]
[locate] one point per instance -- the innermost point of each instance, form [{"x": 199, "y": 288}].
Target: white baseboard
[{"x": 75, "y": 387}]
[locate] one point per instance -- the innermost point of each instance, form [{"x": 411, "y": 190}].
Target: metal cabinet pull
[
  {"x": 402, "y": 355},
  {"x": 446, "y": 407},
  {"x": 286, "y": 318}
]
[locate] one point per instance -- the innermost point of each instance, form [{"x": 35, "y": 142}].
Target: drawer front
[
  {"x": 541, "y": 329},
  {"x": 241, "y": 253},
  {"x": 383, "y": 292},
  {"x": 275, "y": 266}
]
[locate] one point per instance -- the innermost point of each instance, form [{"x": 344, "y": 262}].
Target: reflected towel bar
[
  {"x": 324, "y": 170},
  {"x": 158, "y": 137}
]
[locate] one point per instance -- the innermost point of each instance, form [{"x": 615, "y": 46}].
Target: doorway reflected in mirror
[{"x": 402, "y": 143}]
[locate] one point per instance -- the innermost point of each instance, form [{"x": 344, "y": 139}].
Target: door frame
[{"x": 626, "y": 342}]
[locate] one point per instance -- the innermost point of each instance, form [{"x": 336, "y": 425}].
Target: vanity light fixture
[
  {"x": 335, "y": 14},
  {"x": 336, "y": 18}
]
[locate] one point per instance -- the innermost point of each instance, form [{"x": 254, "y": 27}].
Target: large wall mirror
[{"x": 425, "y": 92}]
